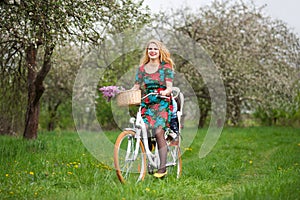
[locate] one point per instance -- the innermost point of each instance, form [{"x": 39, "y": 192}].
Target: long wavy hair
[{"x": 164, "y": 54}]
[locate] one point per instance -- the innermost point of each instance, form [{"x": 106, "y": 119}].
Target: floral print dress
[{"x": 155, "y": 111}]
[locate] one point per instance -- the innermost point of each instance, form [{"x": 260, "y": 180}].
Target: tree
[
  {"x": 12, "y": 88},
  {"x": 256, "y": 56},
  {"x": 36, "y": 26},
  {"x": 59, "y": 82}
]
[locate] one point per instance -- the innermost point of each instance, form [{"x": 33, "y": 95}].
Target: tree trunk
[
  {"x": 32, "y": 113},
  {"x": 236, "y": 111},
  {"x": 203, "y": 117},
  {"x": 35, "y": 88},
  {"x": 32, "y": 120},
  {"x": 53, "y": 114},
  {"x": 51, "y": 125}
]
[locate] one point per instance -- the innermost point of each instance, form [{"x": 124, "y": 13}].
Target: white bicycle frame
[{"x": 141, "y": 133}]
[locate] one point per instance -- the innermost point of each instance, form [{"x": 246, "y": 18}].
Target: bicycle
[{"x": 135, "y": 151}]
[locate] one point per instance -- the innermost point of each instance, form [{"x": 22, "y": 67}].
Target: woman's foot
[{"x": 160, "y": 175}]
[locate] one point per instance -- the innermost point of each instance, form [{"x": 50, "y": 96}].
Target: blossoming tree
[{"x": 37, "y": 26}]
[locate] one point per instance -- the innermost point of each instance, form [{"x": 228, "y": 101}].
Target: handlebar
[{"x": 157, "y": 94}]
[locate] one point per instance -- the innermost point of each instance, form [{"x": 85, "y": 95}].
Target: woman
[{"x": 155, "y": 74}]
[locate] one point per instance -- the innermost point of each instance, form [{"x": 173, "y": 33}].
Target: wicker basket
[{"x": 129, "y": 97}]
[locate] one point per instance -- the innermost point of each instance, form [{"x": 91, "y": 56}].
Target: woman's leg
[{"x": 162, "y": 148}]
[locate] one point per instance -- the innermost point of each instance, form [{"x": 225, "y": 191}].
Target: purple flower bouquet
[{"x": 110, "y": 91}]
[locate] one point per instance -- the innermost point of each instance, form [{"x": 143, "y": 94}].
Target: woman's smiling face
[{"x": 153, "y": 51}]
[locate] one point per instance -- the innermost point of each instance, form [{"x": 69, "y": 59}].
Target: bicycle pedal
[
  {"x": 173, "y": 135},
  {"x": 150, "y": 169}
]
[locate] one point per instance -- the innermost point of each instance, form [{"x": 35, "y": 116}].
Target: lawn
[{"x": 246, "y": 163}]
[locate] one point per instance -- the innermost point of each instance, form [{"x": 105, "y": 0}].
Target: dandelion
[
  {"x": 147, "y": 189},
  {"x": 250, "y": 162},
  {"x": 11, "y": 193},
  {"x": 76, "y": 166},
  {"x": 35, "y": 193},
  {"x": 107, "y": 167},
  {"x": 188, "y": 149},
  {"x": 7, "y": 175},
  {"x": 70, "y": 173},
  {"x": 31, "y": 173}
]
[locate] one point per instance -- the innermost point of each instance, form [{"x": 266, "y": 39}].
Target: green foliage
[
  {"x": 40, "y": 21},
  {"x": 12, "y": 105},
  {"x": 257, "y": 56},
  {"x": 30, "y": 28},
  {"x": 286, "y": 115},
  {"x": 121, "y": 72},
  {"x": 104, "y": 113},
  {"x": 63, "y": 119},
  {"x": 247, "y": 163},
  {"x": 59, "y": 84}
]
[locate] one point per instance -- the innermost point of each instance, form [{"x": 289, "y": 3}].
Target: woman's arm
[
  {"x": 169, "y": 76},
  {"x": 168, "y": 90}
]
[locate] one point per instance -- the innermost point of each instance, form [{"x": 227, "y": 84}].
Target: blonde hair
[{"x": 164, "y": 54}]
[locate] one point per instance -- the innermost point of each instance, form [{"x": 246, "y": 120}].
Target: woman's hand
[
  {"x": 168, "y": 90},
  {"x": 165, "y": 92},
  {"x": 135, "y": 87}
]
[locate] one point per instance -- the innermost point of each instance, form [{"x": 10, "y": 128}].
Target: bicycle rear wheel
[
  {"x": 174, "y": 161},
  {"x": 129, "y": 168}
]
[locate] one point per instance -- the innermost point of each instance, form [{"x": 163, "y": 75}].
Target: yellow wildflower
[
  {"x": 70, "y": 173},
  {"x": 250, "y": 161},
  {"x": 31, "y": 173},
  {"x": 7, "y": 175},
  {"x": 147, "y": 189}
]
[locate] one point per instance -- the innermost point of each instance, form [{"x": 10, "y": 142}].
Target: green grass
[{"x": 246, "y": 163}]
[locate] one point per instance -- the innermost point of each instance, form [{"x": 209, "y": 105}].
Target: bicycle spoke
[{"x": 128, "y": 166}]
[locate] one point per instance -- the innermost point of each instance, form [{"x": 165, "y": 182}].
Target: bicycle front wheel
[{"x": 128, "y": 165}]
